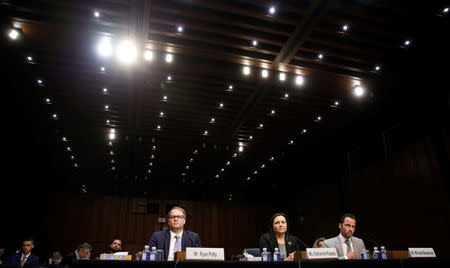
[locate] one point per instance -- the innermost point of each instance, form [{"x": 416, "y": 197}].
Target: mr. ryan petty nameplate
[{"x": 206, "y": 254}]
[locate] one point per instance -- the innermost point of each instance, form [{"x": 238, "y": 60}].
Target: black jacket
[{"x": 292, "y": 243}]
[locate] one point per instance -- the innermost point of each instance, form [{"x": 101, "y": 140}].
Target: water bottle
[
  {"x": 153, "y": 254},
  {"x": 145, "y": 254},
  {"x": 277, "y": 255},
  {"x": 265, "y": 256},
  {"x": 365, "y": 254},
  {"x": 376, "y": 255},
  {"x": 384, "y": 253},
  {"x": 160, "y": 254}
]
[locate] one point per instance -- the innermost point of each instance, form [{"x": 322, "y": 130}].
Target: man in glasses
[{"x": 176, "y": 238}]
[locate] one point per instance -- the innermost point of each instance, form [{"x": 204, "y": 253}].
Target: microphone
[{"x": 301, "y": 242}]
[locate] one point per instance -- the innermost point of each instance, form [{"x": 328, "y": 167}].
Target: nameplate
[
  {"x": 321, "y": 253},
  {"x": 421, "y": 253},
  {"x": 206, "y": 254}
]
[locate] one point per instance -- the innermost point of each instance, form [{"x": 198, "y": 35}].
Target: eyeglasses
[{"x": 178, "y": 217}]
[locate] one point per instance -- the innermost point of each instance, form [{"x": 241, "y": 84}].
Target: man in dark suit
[
  {"x": 83, "y": 252},
  {"x": 175, "y": 239},
  {"x": 25, "y": 258}
]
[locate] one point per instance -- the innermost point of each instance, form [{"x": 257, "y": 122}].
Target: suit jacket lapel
[
  {"x": 339, "y": 247},
  {"x": 184, "y": 241},
  {"x": 166, "y": 244}
]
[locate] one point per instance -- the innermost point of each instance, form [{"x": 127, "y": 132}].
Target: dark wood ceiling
[{"x": 208, "y": 56}]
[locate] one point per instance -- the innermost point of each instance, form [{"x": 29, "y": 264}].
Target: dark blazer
[
  {"x": 31, "y": 260},
  {"x": 68, "y": 259},
  {"x": 161, "y": 240},
  {"x": 292, "y": 244}
]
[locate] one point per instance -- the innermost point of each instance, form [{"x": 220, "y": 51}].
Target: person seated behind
[
  {"x": 26, "y": 258},
  {"x": 56, "y": 258},
  {"x": 347, "y": 246},
  {"x": 116, "y": 246},
  {"x": 83, "y": 252},
  {"x": 2, "y": 252},
  {"x": 318, "y": 243},
  {"x": 279, "y": 237},
  {"x": 176, "y": 238}
]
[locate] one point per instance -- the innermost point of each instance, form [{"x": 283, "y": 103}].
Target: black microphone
[{"x": 301, "y": 242}]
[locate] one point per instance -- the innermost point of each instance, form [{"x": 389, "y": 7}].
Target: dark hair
[
  {"x": 346, "y": 215},
  {"x": 84, "y": 246},
  {"x": 28, "y": 239},
  {"x": 271, "y": 232}
]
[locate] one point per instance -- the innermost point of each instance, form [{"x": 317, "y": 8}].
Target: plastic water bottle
[
  {"x": 153, "y": 254},
  {"x": 365, "y": 254},
  {"x": 145, "y": 254},
  {"x": 277, "y": 255},
  {"x": 376, "y": 255},
  {"x": 384, "y": 253},
  {"x": 265, "y": 256}
]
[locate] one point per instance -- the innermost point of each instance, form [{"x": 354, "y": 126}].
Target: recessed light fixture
[
  {"x": 291, "y": 142},
  {"x": 112, "y": 161},
  {"x": 377, "y": 68},
  {"x": 205, "y": 132},
  {"x": 112, "y": 136},
  {"x": 150, "y": 164},
  {"x": 250, "y": 138},
  {"x": 358, "y": 91},
  {"x": 318, "y": 118},
  {"x": 286, "y": 96},
  {"x": 75, "y": 165},
  {"x": 169, "y": 78},
  {"x": 107, "y": 121},
  {"x": 148, "y": 55},
  {"x": 105, "y": 90},
  {"x": 246, "y": 70},
  {"x": 345, "y": 27},
  {"x": 221, "y": 105},
  {"x": 235, "y": 155},
  {"x": 255, "y": 172},
  {"x": 260, "y": 125},
  {"x": 299, "y": 80},
  {"x": 104, "y": 47},
  {"x": 212, "y": 120},
  {"x": 320, "y": 56},
  {"x": 222, "y": 170},
  {"x": 407, "y": 43},
  {"x": 272, "y": 112},
  {"x": 169, "y": 58},
  {"x": 107, "y": 107},
  {"x": 48, "y": 101},
  {"x": 161, "y": 114},
  {"x": 445, "y": 10},
  {"x": 271, "y": 158},
  {"x": 264, "y": 73},
  {"x": 272, "y": 10},
  {"x": 158, "y": 127},
  {"x": 110, "y": 143},
  {"x": 304, "y": 131},
  {"x": 217, "y": 176},
  {"x": 102, "y": 69},
  {"x": 180, "y": 29},
  {"x": 227, "y": 163},
  {"x": 127, "y": 52},
  {"x": 282, "y": 76},
  {"x": 55, "y": 116},
  {"x": 29, "y": 58},
  {"x": 254, "y": 43},
  {"x": 72, "y": 157},
  {"x": 164, "y": 98},
  {"x": 68, "y": 149},
  {"x": 39, "y": 81},
  {"x": 263, "y": 166},
  {"x": 248, "y": 178},
  {"x": 230, "y": 87},
  {"x": 187, "y": 167},
  {"x": 241, "y": 149},
  {"x": 96, "y": 14},
  {"x": 14, "y": 33},
  {"x": 64, "y": 139}
]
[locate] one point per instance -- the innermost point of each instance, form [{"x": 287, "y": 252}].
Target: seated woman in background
[
  {"x": 279, "y": 237},
  {"x": 318, "y": 243},
  {"x": 56, "y": 258}
]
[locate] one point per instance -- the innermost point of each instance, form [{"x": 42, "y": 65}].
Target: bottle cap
[
  {"x": 153, "y": 248},
  {"x": 276, "y": 249},
  {"x": 264, "y": 249},
  {"x": 146, "y": 246}
]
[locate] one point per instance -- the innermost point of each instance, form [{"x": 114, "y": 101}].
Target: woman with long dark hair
[{"x": 279, "y": 237}]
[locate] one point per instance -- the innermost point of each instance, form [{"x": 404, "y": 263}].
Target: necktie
[
  {"x": 177, "y": 246},
  {"x": 23, "y": 260},
  {"x": 348, "y": 245}
]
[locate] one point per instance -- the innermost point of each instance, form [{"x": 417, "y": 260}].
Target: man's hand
[
  {"x": 351, "y": 255},
  {"x": 290, "y": 257}
]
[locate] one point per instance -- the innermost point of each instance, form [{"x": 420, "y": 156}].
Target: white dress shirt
[
  {"x": 172, "y": 244},
  {"x": 344, "y": 245}
]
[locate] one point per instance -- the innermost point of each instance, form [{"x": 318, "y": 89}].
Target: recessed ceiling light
[
  {"x": 299, "y": 80},
  {"x": 336, "y": 103},
  {"x": 48, "y": 101},
  {"x": 445, "y": 10},
  {"x": 14, "y": 33},
  {"x": 271, "y": 158},
  {"x": 221, "y": 105},
  {"x": 286, "y": 96},
  {"x": 250, "y": 138},
  {"x": 107, "y": 121},
  {"x": 227, "y": 163},
  {"x": 112, "y": 135},
  {"x": 39, "y": 81},
  {"x": 187, "y": 167},
  {"x": 161, "y": 114},
  {"x": 29, "y": 58},
  {"x": 246, "y": 70},
  {"x": 148, "y": 55},
  {"x": 164, "y": 98},
  {"x": 106, "y": 107},
  {"x": 319, "y": 118},
  {"x": 407, "y": 43},
  {"x": 102, "y": 69},
  {"x": 263, "y": 166},
  {"x": 104, "y": 47},
  {"x": 222, "y": 170},
  {"x": 205, "y": 132},
  {"x": 54, "y": 116},
  {"x": 235, "y": 155},
  {"x": 272, "y": 112},
  {"x": 68, "y": 149},
  {"x": 304, "y": 131},
  {"x": 180, "y": 29},
  {"x": 75, "y": 165},
  {"x": 261, "y": 125},
  {"x": 264, "y": 73},
  {"x": 169, "y": 78},
  {"x": 127, "y": 52},
  {"x": 72, "y": 157},
  {"x": 112, "y": 161},
  {"x": 377, "y": 68},
  {"x": 212, "y": 120},
  {"x": 158, "y": 127},
  {"x": 320, "y": 56},
  {"x": 105, "y": 90},
  {"x": 254, "y": 43},
  {"x": 241, "y": 149},
  {"x": 96, "y": 14},
  {"x": 169, "y": 58},
  {"x": 272, "y": 10},
  {"x": 358, "y": 91},
  {"x": 345, "y": 27},
  {"x": 64, "y": 139},
  {"x": 230, "y": 87},
  {"x": 282, "y": 76},
  {"x": 217, "y": 176},
  {"x": 291, "y": 142},
  {"x": 248, "y": 178},
  {"x": 255, "y": 172}
]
